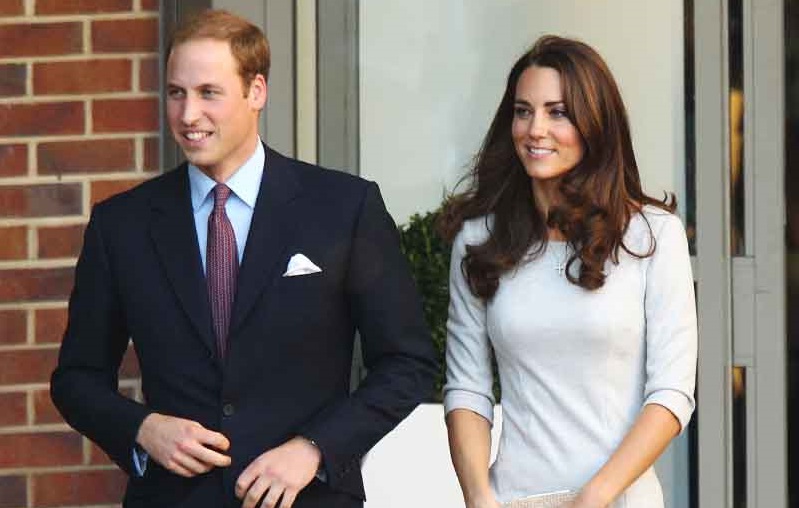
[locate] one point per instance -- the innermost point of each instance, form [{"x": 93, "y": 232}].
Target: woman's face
[{"x": 547, "y": 142}]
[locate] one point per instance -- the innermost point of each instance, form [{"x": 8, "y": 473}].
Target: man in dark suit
[{"x": 241, "y": 277}]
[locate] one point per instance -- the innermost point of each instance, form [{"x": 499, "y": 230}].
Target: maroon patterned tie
[{"x": 222, "y": 266}]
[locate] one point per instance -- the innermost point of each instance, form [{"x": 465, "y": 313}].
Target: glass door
[
  {"x": 740, "y": 259},
  {"x": 740, "y": 256}
]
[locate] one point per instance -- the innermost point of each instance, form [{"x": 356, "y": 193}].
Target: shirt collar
[{"x": 245, "y": 182}]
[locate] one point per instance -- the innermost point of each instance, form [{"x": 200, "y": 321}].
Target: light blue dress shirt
[{"x": 245, "y": 184}]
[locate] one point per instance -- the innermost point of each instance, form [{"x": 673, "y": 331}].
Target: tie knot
[{"x": 221, "y": 193}]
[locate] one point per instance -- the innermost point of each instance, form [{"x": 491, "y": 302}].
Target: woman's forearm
[
  {"x": 470, "y": 449},
  {"x": 655, "y": 427}
]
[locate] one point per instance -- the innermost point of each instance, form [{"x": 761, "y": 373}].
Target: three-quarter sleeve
[
  {"x": 671, "y": 330},
  {"x": 469, "y": 374}
]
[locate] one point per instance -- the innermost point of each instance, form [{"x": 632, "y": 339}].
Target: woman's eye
[
  {"x": 559, "y": 113},
  {"x": 520, "y": 112}
]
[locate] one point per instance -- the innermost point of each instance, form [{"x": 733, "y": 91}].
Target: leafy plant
[{"x": 428, "y": 256}]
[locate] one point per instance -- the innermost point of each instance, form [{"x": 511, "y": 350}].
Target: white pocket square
[{"x": 300, "y": 265}]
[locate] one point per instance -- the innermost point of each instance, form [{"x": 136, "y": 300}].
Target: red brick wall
[{"x": 78, "y": 122}]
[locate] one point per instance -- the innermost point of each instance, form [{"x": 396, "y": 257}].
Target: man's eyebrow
[{"x": 197, "y": 87}]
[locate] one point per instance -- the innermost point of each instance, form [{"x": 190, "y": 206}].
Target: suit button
[{"x": 228, "y": 410}]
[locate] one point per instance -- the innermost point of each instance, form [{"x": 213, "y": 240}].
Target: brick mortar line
[
  {"x": 34, "y": 141},
  {"x": 34, "y": 242},
  {"x": 24, "y": 387},
  {"x": 29, "y": 489},
  {"x": 57, "y": 469},
  {"x": 76, "y": 57},
  {"x": 86, "y": 205},
  {"x": 27, "y": 347},
  {"x": 87, "y": 452},
  {"x": 33, "y": 157},
  {"x": 36, "y": 179},
  {"x": 135, "y": 70},
  {"x": 30, "y": 320},
  {"x": 88, "y": 115},
  {"x": 61, "y": 304},
  {"x": 38, "y": 263},
  {"x": 86, "y": 32},
  {"x": 138, "y": 154},
  {"x": 44, "y": 221},
  {"x": 31, "y": 407},
  {"x": 89, "y": 177},
  {"x": 28, "y": 263},
  {"x": 30, "y": 7},
  {"x": 65, "y": 223},
  {"x": 70, "y": 261},
  {"x": 38, "y": 19},
  {"x": 32, "y": 249},
  {"x": 34, "y": 429},
  {"x": 70, "y": 178},
  {"x": 28, "y": 79},
  {"x": 60, "y": 98},
  {"x": 117, "y": 505},
  {"x": 132, "y": 174}
]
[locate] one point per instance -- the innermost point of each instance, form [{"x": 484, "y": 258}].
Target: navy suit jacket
[{"x": 287, "y": 369}]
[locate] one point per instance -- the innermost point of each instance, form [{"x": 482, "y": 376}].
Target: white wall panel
[{"x": 432, "y": 74}]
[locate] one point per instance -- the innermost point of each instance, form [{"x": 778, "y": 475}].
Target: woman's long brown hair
[{"x": 598, "y": 196}]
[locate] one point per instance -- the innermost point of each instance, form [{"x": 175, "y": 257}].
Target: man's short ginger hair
[{"x": 248, "y": 44}]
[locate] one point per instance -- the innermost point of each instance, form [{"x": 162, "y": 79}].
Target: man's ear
[{"x": 258, "y": 92}]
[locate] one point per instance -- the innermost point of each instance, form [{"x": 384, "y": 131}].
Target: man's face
[{"x": 212, "y": 115}]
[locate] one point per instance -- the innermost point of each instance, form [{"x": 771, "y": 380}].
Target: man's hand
[
  {"x": 182, "y": 446},
  {"x": 280, "y": 473}
]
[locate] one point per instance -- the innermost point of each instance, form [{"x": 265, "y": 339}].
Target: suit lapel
[
  {"x": 268, "y": 237},
  {"x": 173, "y": 233}
]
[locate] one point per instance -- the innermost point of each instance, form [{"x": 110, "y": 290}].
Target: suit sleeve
[
  {"x": 84, "y": 385},
  {"x": 396, "y": 344}
]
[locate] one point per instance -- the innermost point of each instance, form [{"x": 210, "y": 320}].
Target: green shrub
[{"x": 428, "y": 257}]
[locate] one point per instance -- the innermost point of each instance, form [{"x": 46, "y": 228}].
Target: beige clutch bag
[{"x": 548, "y": 500}]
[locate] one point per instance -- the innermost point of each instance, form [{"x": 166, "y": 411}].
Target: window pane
[{"x": 736, "y": 126}]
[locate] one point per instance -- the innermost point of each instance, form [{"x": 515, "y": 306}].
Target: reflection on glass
[
  {"x": 690, "y": 125},
  {"x": 736, "y": 111},
  {"x": 739, "y": 437},
  {"x": 792, "y": 238}
]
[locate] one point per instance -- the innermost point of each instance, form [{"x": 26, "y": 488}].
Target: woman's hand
[
  {"x": 486, "y": 502},
  {"x": 587, "y": 498},
  {"x": 580, "y": 503}
]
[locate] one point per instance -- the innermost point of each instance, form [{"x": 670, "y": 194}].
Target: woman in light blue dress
[{"x": 581, "y": 285}]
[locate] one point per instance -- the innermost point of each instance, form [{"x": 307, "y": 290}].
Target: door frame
[{"x": 741, "y": 299}]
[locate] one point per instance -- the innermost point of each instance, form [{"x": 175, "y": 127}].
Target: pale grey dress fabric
[{"x": 576, "y": 366}]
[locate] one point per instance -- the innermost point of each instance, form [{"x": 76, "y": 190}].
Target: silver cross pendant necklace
[{"x": 560, "y": 264}]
